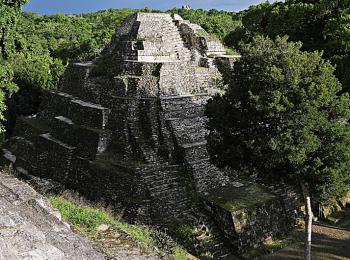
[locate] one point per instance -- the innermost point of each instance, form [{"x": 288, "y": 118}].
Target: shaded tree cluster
[
  {"x": 319, "y": 24},
  {"x": 282, "y": 118}
]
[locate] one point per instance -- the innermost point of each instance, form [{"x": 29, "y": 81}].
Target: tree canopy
[
  {"x": 215, "y": 22},
  {"x": 281, "y": 117},
  {"x": 319, "y": 24},
  {"x": 9, "y": 10}
]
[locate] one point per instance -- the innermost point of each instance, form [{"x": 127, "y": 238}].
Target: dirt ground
[{"x": 328, "y": 243}]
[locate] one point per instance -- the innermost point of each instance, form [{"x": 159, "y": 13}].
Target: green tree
[
  {"x": 319, "y": 24},
  {"x": 218, "y": 23},
  {"x": 9, "y": 10},
  {"x": 282, "y": 118}
]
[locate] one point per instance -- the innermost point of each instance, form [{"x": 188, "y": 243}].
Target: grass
[
  {"x": 87, "y": 219},
  {"x": 247, "y": 196},
  {"x": 179, "y": 254},
  {"x": 186, "y": 236},
  {"x": 230, "y": 51}
]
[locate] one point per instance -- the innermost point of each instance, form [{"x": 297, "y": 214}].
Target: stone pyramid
[{"x": 129, "y": 129}]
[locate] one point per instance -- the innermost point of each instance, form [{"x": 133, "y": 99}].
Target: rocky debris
[
  {"x": 103, "y": 228},
  {"x": 31, "y": 229},
  {"x": 118, "y": 246}
]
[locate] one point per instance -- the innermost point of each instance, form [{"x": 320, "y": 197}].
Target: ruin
[{"x": 129, "y": 128}]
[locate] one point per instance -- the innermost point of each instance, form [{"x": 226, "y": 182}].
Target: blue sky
[{"x": 84, "y": 6}]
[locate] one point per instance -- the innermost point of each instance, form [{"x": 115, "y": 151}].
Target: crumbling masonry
[{"x": 129, "y": 129}]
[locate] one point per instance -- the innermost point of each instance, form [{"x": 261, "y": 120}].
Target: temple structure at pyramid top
[
  {"x": 129, "y": 129},
  {"x": 149, "y": 37}
]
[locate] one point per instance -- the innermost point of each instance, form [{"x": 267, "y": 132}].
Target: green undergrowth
[
  {"x": 185, "y": 235},
  {"x": 230, "y": 51},
  {"x": 270, "y": 246},
  {"x": 87, "y": 219}
]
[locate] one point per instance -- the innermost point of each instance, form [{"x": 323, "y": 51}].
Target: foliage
[
  {"x": 87, "y": 220},
  {"x": 73, "y": 37},
  {"x": 282, "y": 117},
  {"x": 318, "y": 24},
  {"x": 215, "y": 22},
  {"x": 6, "y": 87},
  {"x": 9, "y": 10}
]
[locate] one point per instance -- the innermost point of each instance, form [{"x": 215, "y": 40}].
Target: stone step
[
  {"x": 159, "y": 168},
  {"x": 89, "y": 114},
  {"x": 168, "y": 207},
  {"x": 51, "y": 140},
  {"x": 188, "y": 112},
  {"x": 154, "y": 17},
  {"x": 188, "y": 124},
  {"x": 159, "y": 182},
  {"x": 173, "y": 39},
  {"x": 195, "y": 136},
  {"x": 179, "y": 47},
  {"x": 206, "y": 175},
  {"x": 154, "y": 52},
  {"x": 164, "y": 195},
  {"x": 197, "y": 145},
  {"x": 155, "y": 58},
  {"x": 158, "y": 171},
  {"x": 189, "y": 129},
  {"x": 163, "y": 187},
  {"x": 200, "y": 98},
  {"x": 161, "y": 176},
  {"x": 7, "y": 158}
]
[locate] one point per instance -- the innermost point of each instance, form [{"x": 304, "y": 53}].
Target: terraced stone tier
[
  {"x": 91, "y": 141},
  {"x": 81, "y": 112}
]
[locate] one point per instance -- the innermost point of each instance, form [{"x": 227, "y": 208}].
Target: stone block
[{"x": 248, "y": 214}]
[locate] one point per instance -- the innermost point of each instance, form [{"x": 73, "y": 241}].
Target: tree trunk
[{"x": 308, "y": 221}]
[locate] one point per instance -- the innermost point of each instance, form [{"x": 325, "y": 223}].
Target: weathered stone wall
[{"x": 195, "y": 37}]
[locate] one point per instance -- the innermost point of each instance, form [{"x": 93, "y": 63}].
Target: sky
[{"x": 86, "y": 6}]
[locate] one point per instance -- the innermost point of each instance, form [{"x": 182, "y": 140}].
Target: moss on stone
[{"x": 247, "y": 196}]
